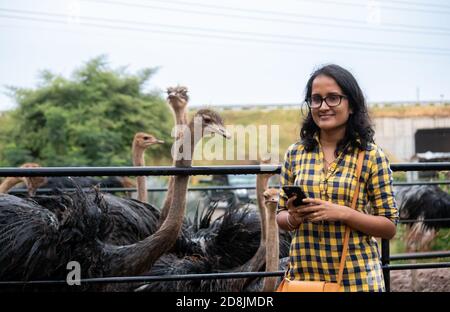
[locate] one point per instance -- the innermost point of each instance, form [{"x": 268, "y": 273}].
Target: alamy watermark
[{"x": 74, "y": 275}]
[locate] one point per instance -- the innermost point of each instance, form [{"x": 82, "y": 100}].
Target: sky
[{"x": 234, "y": 52}]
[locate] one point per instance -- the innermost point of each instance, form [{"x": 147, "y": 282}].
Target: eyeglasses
[{"x": 332, "y": 100}]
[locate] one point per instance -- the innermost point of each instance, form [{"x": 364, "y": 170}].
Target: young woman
[{"x": 323, "y": 164}]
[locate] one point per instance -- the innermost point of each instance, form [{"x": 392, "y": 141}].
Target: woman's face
[{"x": 329, "y": 118}]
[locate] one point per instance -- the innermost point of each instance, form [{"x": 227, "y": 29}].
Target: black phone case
[{"x": 291, "y": 190}]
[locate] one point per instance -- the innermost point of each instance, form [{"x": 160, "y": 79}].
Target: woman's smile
[{"x": 324, "y": 117}]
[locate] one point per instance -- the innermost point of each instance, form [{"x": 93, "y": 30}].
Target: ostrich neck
[
  {"x": 262, "y": 182},
  {"x": 258, "y": 259},
  {"x": 141, "y": 181},
  {"x": 180, "y": 120},
  {"x": 180, "y": 117},
  {"x": 272, "y": 247},
  {"x": 139, "y": 257},
  {"x": 8, "y": 184}
]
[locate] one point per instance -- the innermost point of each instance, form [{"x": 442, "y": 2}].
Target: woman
[{"x": 323, "y": 164}]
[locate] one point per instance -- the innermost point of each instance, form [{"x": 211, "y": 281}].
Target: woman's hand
[
  {"x": 296, "y": 213},
  {"x": 320, "y": 210}
]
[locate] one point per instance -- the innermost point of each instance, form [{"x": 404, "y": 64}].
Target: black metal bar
[
  {"x": 385, "y": 252},
  {"x": 209, "y": 276},
  {"x": 136, "y": 171},
  {"x": 417, "y": 221},
  {"x": 431, "y": 166},
  {"x": 420, "y": 255},
  {"x": 166, "y": 170},
  {"x": 131, "y": 279},
  {"x": 421, "y": 183},
  {"x": 416, "y": 266}
]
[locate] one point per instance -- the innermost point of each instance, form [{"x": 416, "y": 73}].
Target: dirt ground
[{"x": 428, "y": 280}]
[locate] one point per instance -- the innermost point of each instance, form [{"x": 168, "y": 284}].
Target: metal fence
[{"x": 208, "y": 170}]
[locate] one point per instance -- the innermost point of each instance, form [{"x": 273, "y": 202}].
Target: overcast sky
[{"x": 235, "y": 52}]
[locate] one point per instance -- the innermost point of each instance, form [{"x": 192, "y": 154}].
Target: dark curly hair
[{"x": 359, "y": 125}]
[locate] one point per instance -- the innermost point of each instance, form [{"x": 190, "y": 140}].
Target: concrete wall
[{"x": 396, "y": 135}]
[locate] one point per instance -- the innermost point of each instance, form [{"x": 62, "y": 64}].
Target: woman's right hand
[{"x": 295, "y": 212}]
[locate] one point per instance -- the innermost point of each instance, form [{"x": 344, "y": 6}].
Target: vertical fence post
[{"x": 385, "y": 254}]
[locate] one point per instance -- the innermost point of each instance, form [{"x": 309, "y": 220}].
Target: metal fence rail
[
  {"x": 196, "y": 170},
  {"x": 206, "y": 276}
]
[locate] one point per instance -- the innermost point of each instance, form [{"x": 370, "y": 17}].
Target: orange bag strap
[{"x": 347, "y": 229}]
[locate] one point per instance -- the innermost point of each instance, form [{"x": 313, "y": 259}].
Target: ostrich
[
  {"x": 177, "y": 98},
  {"x": 35, "y": 243},
  {"x": 139, "y": 257},
  {"x": 259, "y": 258},
  {"x": 133, "y": 220},
  {"x": 32, "y": 183},
  {"x": 422, "y": 202},
  {"x": 271, "y": 197},
  {"x": 141, "y": 142}
]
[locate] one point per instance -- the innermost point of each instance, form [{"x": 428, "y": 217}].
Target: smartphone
[{"x": 295, "y": 190}]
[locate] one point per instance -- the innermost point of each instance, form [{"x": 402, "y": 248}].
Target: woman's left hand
[{"x": 322, "y": 210}]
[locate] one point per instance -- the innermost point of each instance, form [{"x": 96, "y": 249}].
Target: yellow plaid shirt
[{"x": 316, "y": 247}]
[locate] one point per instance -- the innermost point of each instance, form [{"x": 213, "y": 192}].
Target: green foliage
[{"x": 87, "y": 120}]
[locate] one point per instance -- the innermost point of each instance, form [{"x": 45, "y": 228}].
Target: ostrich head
[
  {"x": 143, "y": 140},
  {"x": 33, "y": 183},
  {"x": 211, "y": 122},
  {"x": 271, "y": 197},
  {"x": 177, "y": 97}
]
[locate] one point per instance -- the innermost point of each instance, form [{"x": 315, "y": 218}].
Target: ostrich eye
[
  {"x": 207, "y": 119},
  {"x": 146, "y": 138}
]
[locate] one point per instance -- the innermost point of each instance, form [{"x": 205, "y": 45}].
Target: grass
[{"x": 411, "y": 111}]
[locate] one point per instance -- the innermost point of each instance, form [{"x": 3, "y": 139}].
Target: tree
[{"x": 87, "y": 120}]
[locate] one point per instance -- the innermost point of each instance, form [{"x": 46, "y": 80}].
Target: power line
[
  {"x": 441, "y": 6},
  {"x": 306, "y": 41},
  {"x": 316, "y": 20},
  {"x": 221, "y": 31},
  {"x": 344, "y": 43},
  {"x": 386, "y": 5}
]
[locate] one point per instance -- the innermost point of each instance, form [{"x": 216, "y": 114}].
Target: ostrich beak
[
  {"x": 220, "y": 130},
  {"x": 158, "y": 141},
  {"x": 272, "y": 199}
]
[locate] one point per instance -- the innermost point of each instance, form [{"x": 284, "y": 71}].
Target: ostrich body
[
  {"x": 141, "y": 142},
  {"x": 421, "y": 203}
]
